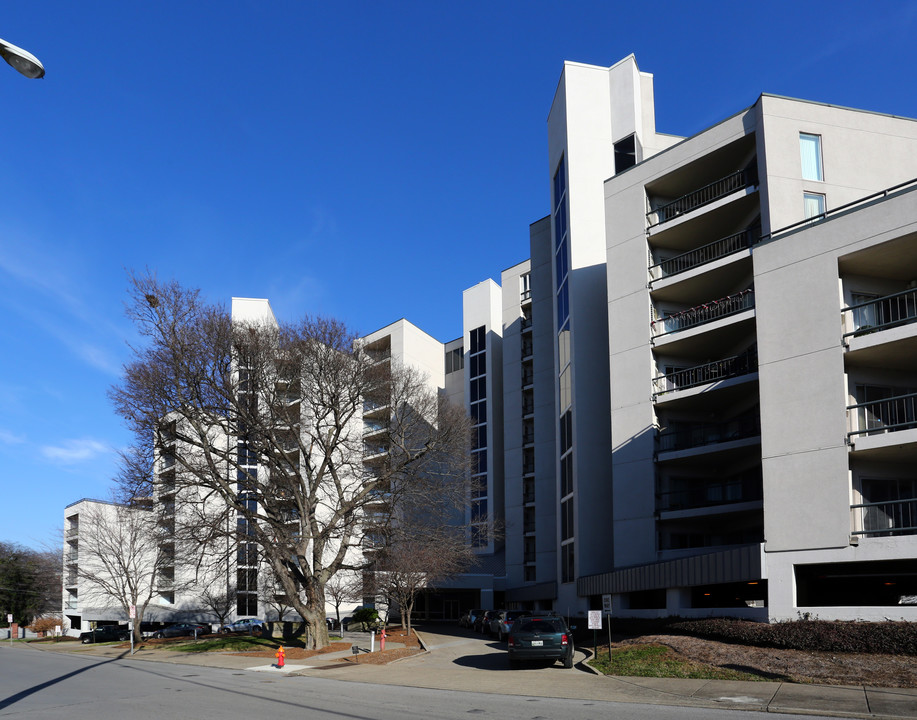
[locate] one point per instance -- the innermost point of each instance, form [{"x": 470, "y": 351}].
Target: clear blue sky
[{"x": 364, "y": 160}]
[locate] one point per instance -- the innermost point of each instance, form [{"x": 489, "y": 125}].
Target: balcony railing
[
  {"x": 883, "y": 519},
  {"x": 72, "y": 558},
  {"x": 72, "y": 533},
  {"x": 700, "y": 314},
  {"x": 881, "y": 313},
  {"x": 706, "y": 253},
  {"x": 370, "y": 427},
  {"x": 684, "y": 436},
  {"x": 881, "y": 416},
  {"x": 710, "y": 495},
  {"x": 374, "y": 448},
  {"x": 71, "y": 605},
  {"x": 685, "y": 378},
  {"x": 704, "y": 196}
]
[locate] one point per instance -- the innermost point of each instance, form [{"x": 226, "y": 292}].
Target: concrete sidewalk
[{"x": 454, "y": 661}]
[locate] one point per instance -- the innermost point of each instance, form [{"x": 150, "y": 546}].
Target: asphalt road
[{"x": 37, "y": 685}]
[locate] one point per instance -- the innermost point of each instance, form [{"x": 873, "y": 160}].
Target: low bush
[{"x": 896, "y": 638}]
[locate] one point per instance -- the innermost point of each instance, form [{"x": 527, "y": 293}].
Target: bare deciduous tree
[
  {"x": 423, "y": 546},
  {"x": 343, "y": 587},
  {"x": 121, "y": 558},
  {"x": 265, "y": 422},
  {"x": 220, "y": 601}
]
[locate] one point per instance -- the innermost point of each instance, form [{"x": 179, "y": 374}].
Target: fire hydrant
[
  {"x": 382, "y": 639},
  {"x": 280, "y": 657}
]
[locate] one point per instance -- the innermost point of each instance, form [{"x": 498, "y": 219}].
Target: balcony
[
  {"x": 880, "y": 313},
  {"x": 71, "y": 605},
  {"x": 72, "y": 533},
  {"x": 885, "y": 519},
  {"x": 705, "y": 313},
  {"x": 881, "y": 416},
  {"x": 373, "y": 449},
  {"x": 371, "y": 427},
  {"x": 704, "y": 196},
  {"x": 705, "y": 254},
  {"x": 710, "y": 494},
  {"x": 373, "y": 406},
  {"x": 686, "y": 435},
  {"x": 72, "y": 558},
  {"x": 685, "y": 378}
]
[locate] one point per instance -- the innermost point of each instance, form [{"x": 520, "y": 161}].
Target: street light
[{"x": 22, "y": 60}]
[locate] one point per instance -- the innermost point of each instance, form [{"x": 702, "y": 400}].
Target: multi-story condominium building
[{"x": 698, "y": 395}]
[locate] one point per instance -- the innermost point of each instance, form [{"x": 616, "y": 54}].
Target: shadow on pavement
[{"x": 12, "y": 699}]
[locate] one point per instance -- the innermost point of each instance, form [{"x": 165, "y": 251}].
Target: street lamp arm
[{"x": 22, "y": 60}]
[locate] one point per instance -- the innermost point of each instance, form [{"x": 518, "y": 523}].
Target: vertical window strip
[{"x": 810, "y": 152}]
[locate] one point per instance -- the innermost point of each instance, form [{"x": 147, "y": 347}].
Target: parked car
[
  {"x": 181, "y": 630},
  {"x": 482, "y": 621},
  {"x": 246, "y": 626},
  {"x": 467, "y": 620},
  {"x": 540, "y": 637},
  {"x": 105, "y": 633},
  {"x": 501, "y": 624}
]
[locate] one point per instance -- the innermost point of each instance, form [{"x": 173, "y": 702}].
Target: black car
[
  {"x": 482, "y": 621},
  {"x": 540, "y": 637},
  {"x": 105, "y": 633},
  {"x": 181, "y": 630}
]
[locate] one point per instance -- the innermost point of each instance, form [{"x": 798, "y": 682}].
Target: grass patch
[
  {"x": 660, "y": 661},
  {"x": 229, "y": 643}
]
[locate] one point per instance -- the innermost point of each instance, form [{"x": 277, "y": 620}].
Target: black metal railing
[
  {"x": 880, "y": 416},
  {"x": 708, "y": 312},
  {"x": 685, "y": 378},
  {"x": 710, "y": 494},
  {"x": 685, "y": 435},
  {"x": 881, "y": 313},
  {"x": 704, "y": 254},
  {"x": 704, "y": 196},
  {"x": 881, "y": 519}
]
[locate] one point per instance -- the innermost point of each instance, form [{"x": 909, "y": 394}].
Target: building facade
[{"x": 698, "y": 395}]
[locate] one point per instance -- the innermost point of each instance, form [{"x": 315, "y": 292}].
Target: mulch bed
[{"x": 826, "y": 668}]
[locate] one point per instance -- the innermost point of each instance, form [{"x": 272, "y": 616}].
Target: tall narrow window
[
  {"x": 810, "y": 151},
  {"x": 814, "y": 204},
  {"x": 625, "y": 153}
]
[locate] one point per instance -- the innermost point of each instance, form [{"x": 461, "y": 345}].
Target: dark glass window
[
  {"x": 560, "y": 224},
  {"x": 478, "y": 365},
  {"x": 566, "y": 431},
  {"x": 478, "y": 389},
  {"x": 455, "y": 360},
  {"x": 479, "y": 412},
  {"x": 561, "y": 261},
  {"x": 560, "y": 182},
  {"x": 479, "y": 437},
  {"x": 563, "y": 304},
  {"x": 625, "y": 153},
  {"x": 566, "y": 519},
  {"x": 566, "y": 475},
  {"x": 478, "y": 338},
  {"x": 479, "y": 462},
  {"x": 567, "y": 563}
]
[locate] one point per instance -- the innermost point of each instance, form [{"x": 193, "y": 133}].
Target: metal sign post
[
  {"x": 606, "y": 610},
  {"x": 9, "y": 621},
  {"x": 595, "y": 624},
  {"x": 132, "y": 613}
]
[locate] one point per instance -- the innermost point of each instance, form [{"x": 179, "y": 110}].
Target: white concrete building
[{"x": 698, "y": 394}]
